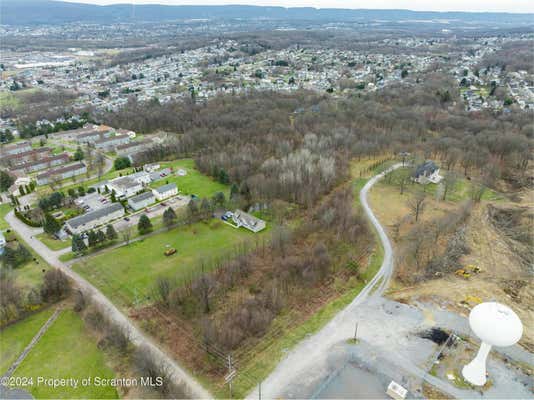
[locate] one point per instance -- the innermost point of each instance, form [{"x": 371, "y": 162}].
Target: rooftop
[
  {"x": 141, "y": 197},
  {"x": 90, "y": 216},
  {"x": 166, "y": 188},
  {"x": 61, "y": 170}
]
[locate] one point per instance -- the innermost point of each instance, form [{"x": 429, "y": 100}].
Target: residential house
[
  {"x": 91, "y": 136},
  {"x": 16, "y": 148},
  {"x": 141, "y": 200},
  {"x": 132, "y": 147},
  {"x": 124, "y": 187},
  {"x": 142, "y": 177},
  {"x": 95, "y": 218},
  {"x": 248, "y": 221},
  {"x": 61, "y": 173},
  {"x": 165, "y": 191},
  {"x": 109, "y": 143},
  {"x": 427, "y": 172},
  {"x": 47, "y": 162},
  {"x": 14, "y": 160}
]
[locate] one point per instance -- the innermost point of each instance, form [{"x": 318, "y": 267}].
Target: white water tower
[{"x": 496, "y": 325}]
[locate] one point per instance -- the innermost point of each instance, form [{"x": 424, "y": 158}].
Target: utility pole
[
  {"x": 259, "y": 391},
  {"x": 356, "y": 331}
]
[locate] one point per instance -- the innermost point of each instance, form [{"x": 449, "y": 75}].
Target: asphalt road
[
  {"x": 177, "y": 373},
  {"x": 314, "y": 349}
]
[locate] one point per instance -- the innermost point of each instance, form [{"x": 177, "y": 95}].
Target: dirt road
[
  {"x": 314, "y": 349},
  {"x": 177, "y": 373}
]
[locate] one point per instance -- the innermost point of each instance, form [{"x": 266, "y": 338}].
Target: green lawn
[
  {"x": 14, "y": 338},
  {"x": 66, "y": 350},
  {"x": 4, "y": 209},
  {"x": 192, "y": 183},
  {"x": 128, "y": 273},
  {"x": 52, "y": 243},
  {"x": 461, "y": 190},
  {"x": 30, "y": 274}
]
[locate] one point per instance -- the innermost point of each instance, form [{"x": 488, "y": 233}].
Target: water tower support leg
[{"x": 475, "y": 371}]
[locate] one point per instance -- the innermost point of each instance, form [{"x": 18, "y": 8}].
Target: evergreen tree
[
  {"x": 144, "y": 225},
  {"x": 78, "y": 154},
  {"x": 100, "y": 236},
  {"x": 92, "y": 238},
  {"x": 169, "y": 217},
  {"x": 51, "y": 225},
  {"x": 78, "y": 245},
  {"x": 111, "y": 234}
]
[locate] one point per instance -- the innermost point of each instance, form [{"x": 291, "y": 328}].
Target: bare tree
[
  {"x": 126, "y": 234},
  {"x": 449, "y": 182},
  {"x": 416, "y": 204}
]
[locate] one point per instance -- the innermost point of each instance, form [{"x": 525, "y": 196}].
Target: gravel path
[{"x": 177, "y": 373}]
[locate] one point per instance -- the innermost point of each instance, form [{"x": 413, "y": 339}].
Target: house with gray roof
[
  {"x": 427, "y": 172},
  {"x": 95, "y": 218},
  {"x": 141, "y": 200},
  {"x": 165, "y": 191},
  {"x": 248, "y": 221}
]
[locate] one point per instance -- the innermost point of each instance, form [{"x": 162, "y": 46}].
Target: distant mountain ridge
[{"x": 32, "y": 12}]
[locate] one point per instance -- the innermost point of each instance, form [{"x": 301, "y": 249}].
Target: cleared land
[
  {"x": 127, "y": 274},
  {"x": 14, "y": 338},
  {"x": 66, "y": 350},
  {"x": 193, "y": 182}
]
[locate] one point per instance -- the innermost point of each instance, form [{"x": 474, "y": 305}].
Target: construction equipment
[
  {"x": 473, "y": 268},
  {"x": 462, "y": 273},
  {"x": 170, "y": 251}
]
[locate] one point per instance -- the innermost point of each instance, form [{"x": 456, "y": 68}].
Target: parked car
[{"x": 126, "y": 219}]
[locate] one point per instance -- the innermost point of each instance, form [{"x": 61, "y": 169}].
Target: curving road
[
  {"x": 176, "y": 372},
  {"x": 314, "y": 350}
]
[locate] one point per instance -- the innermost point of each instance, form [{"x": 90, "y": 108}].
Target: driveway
[{"x": 176, "y": 372}]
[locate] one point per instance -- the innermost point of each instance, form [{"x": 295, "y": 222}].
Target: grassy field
[
  {"x": 4, "y": 209},
  {"x": 51, "y": 243},
  {"x": 14, "y": 338},
  {"x": 66, "y": 350},
  {"x": 127, "y": 274},
  {"x": 194, "y": 182},
  {"x": 30, "y": 274},
  {"x": 461, "y": 191}
]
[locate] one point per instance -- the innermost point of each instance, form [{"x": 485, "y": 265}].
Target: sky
[{"x": 516, "y": 6}]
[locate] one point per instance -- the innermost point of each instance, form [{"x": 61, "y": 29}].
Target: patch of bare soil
[{"x": 503, "y": 277}]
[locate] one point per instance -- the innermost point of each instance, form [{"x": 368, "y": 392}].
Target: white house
[
  {"x": 428, "y": 172},
  {"x": 124, "y": 187},
  {"x": 95, "y": 218},
  {"x": 248, "y": 221},
  {"x": 141, "y": 177},
  {"x": 165, "y": 191},
  {"x": 141, "y": 200}
]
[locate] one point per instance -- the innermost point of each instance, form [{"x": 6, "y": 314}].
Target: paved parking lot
[{"x": 92, "y": 201}]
